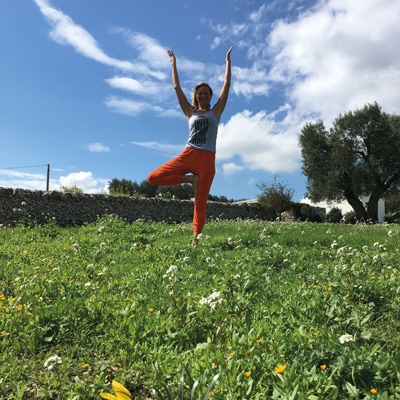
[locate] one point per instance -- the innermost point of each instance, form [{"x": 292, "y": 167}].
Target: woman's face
[{"x": 203, "y": 96}]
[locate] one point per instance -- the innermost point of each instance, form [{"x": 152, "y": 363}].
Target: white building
[{"x": 345, "y": 207}]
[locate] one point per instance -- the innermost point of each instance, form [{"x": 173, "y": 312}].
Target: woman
[{"x": 196, "y": 163}]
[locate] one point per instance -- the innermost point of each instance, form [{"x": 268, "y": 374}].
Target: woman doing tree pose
[{"x": 196, "y": 163}]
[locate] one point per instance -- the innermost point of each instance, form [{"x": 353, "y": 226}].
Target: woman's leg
[
  {"x": 202, "y": 165},
  {"x": 205, "y": 171},
  {"x": 172, "y": 172}
]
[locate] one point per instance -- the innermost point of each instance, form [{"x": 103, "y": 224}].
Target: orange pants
[{"x": 197, "y": 162}]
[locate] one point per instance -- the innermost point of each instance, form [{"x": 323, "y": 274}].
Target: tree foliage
[
  {"x": 359, "y": 156},
  {"x": 127, "y": 187}
]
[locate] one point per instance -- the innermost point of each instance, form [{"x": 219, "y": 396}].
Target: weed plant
[{"x": 257, "y": 310}]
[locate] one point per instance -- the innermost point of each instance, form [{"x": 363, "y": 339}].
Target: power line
[{"x": 30, "y": 166}]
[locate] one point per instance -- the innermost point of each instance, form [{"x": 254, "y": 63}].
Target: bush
[
  {"x": 350, "y": 217},
  {"x": 334, "y": 215},
  {"x": 306, "y": 212}
]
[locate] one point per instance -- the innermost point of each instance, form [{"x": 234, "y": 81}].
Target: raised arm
[
  {"x": 183, "y": 102},
  {"x": 223, "y": 96}
]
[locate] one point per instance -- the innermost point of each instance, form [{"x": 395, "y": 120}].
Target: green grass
[{"x": 136, "y": 303}]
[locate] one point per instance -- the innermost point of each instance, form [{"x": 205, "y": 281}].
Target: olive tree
[{"x": 359, "y": 156}]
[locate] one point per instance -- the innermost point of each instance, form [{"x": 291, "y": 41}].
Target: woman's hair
[{"x": 195, "y": 90}]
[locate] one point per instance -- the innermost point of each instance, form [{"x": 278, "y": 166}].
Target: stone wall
[{"x": 68, "y": 208}]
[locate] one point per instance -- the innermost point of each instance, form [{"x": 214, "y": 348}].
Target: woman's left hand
[{"x": 228, "y": 54}]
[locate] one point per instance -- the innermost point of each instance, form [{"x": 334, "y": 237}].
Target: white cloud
[
  {"x": 231, "y": 168},
  {"x": 260, "y": 142},
  {"x": 169, "y": 150},
  {"x": 97, "y": 148},
  {"x": 339, "y": 56},
  {"x": 67, "y": 32},
  {"x": 130, "y": 107},
  {"x": 83, "y": 180},
  {"x": 143, "y": 88}
]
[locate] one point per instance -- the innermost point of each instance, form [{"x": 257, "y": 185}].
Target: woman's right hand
[{"x": 172, "y": 57}]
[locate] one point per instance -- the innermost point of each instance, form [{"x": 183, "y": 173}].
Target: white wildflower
[
  {"x": 346, "y": 338},
  {"x": 171, "y": 272},
  {"x": 52, "y": 362},
  {"x": 212, "y": 300}
]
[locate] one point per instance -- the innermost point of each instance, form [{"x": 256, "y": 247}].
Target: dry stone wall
[{"x": 67, "y": 208}]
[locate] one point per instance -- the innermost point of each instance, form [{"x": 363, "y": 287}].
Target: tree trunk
[
  {"x": 372, "y": 205},
  {"x": 372, "y": 209},
  {"x": 353, "y": 200},
  {"x": 358, "y": 207},
  {"x": 356, "y": 203}
]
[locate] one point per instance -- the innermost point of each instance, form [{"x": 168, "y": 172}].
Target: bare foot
[{"x": 196, "y": 237}]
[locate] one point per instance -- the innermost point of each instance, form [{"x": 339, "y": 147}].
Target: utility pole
[{"x": 48, "y": 178}]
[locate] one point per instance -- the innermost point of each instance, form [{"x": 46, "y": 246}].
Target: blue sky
[{"x": 86, "y": 85}]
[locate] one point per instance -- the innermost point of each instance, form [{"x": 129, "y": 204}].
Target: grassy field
[{"x": 257, "y": 310}]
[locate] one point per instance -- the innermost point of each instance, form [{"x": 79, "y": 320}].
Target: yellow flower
[
  {"x": 213, "y": 365},
  {"x": 84, "y": 366},
  {"x": 121, "y": 392},
  {"x": 247, "y": 352},
  {"x": 323, "y": 367},
  {"x": 4, "y": 333},
  {"x": 280, "y": 369},
  {"x": 150, "y": 309},
  {"x": 259, "y": 341},
  {"x": 374, "y": 391},
  {"x": 210, "y": 394},
  {"x": 247, "y": 374},
  {"x": 233, "y": 354}
]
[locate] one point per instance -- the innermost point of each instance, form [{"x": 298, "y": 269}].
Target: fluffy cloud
[
  {"x": 85, "y": 181},
  {"x": 339, "y": 56},
  {"x": 260, "y": 142}
]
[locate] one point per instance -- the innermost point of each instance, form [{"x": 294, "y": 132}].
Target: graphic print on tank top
[{"x": 201, "y": 128}]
